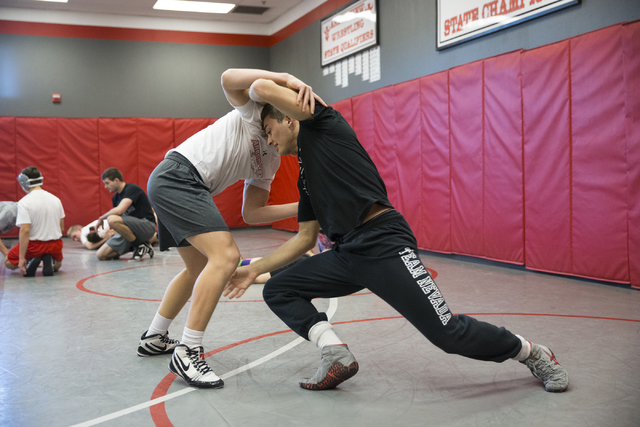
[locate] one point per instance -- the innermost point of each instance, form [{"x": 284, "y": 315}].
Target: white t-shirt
[
  {"x": 43, "y": 211},
  {"x": 87, "y": 229},
  {"x": 233, "y": 148}
]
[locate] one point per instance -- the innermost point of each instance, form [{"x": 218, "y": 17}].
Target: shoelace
[
  {"x": 543, "y": 369},
  {"x": 199, "y": 364},
  {"x": 165, "y": 339}
]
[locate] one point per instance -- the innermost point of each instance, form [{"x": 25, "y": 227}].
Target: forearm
[
  {"x": 3, "y": 249},
  {"x": 286, "y": 100},
  {"x": 114, "y": 211},
  {"x": 94, "y": 246},
  {"x": 293, "y": 249},
  {"x": 243, "y": 78},
  {"x": 271, "y": 213}
]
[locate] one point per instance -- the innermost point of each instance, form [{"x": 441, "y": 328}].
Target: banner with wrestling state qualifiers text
[
  {"x": 348, "y": 31},
  {"x": 463, "y": 20}
]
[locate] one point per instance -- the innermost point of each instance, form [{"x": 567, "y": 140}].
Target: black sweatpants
[{"x": 382, "y": 255}]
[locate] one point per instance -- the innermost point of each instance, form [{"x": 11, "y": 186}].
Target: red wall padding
[
  {"x": 434, "y": 232},
  {"x": 599, "y": 158},
  {"x": 466, "y": 121},
  {"x": 73, "y": 153},
  {"x": 385, "y": 140},
  {"x": 547, "y": 154},
  {"x": 529, "y": 157},
  {"x": 631, "y": 65},
  {"x": 79, "y": 170},
  {"x": 118, "y": 148},
  {"x": 503, "y": 176},
  {"x": 408, "y": 151},
  {"x": 8, "y": 167},
  {"x": 284, "y": 189}
]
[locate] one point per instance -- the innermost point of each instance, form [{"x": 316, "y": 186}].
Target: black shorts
[{"x": 182, "y": 202}]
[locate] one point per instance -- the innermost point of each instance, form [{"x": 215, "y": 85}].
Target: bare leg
[
  {"x": 223, "y": 256},
  {"x": 105, "y": 253},
  {"x": 181, "y": 287},
  {"x": 9, "y": 265},
  {"x": 116, "y": 223}
]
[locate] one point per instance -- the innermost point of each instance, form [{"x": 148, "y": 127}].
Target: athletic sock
[
  {"x": 192, "y": 338},
  {"x": 525, "y": 351},
  {"x": 159, "y": 325},
  {"x": 322, "y": 334},
  {"x": 136, "y": 243}
]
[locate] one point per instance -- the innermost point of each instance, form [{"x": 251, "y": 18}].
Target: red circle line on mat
[
  {"x": 81, "y": 284},
  {"x": 159, "y": 413}
]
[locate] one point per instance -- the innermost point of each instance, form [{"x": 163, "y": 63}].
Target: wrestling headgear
[{"x": 27, "y": 183}]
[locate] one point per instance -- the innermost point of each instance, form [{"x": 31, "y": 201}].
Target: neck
[
  {"x": 121, "y": 187},
  {"x": 35, "y": 188}
]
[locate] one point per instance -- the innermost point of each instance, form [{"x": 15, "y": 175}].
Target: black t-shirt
[
  {"x": 140, "y": 208},
  {"x": 338, "y": 183}
]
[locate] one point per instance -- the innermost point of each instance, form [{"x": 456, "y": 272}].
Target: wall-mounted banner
[
  {"x": 463, "y": 20},
  {"x": 348, "y": 31}
]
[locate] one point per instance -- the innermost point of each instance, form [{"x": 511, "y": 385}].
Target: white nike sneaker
[
  {"x": 155, "y": 345},
  {"x": 188, "y": 363}
]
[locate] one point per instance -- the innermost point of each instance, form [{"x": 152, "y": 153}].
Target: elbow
[
  {"x": 259, "y": 90},
  {"x": 226, "y": 77},
  {"x": 251, "y": 217}
]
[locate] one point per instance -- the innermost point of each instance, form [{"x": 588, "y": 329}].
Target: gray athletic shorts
[
  {"x": 182, "y": 202},
  {"x": 143, "y": 229}
]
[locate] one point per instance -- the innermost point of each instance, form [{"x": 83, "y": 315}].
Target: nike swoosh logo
[
  {"x": 182, "y": 365},
  {"x": 156, "y": 347}
]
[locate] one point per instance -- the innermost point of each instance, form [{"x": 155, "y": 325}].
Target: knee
[
  {"x": 273, "y": 292},
  {"x": 10, "y": 266},
  {"x": 226, "y": 259},
  {"x": 114, "y": 220}
]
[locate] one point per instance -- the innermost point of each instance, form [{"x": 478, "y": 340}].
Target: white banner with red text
[
  {"x": 351, "y": 30},
  {"x": 463, "y": 20}
]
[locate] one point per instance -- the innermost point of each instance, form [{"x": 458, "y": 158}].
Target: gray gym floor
[{"x": 68, "y": 355}]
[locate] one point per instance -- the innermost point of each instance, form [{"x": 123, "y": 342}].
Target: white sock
[
  {"x": 159, "y": 325},
  {"x": 525, "y": 351},
  {"x": 322, "y": 334},
  {"x": 192, "y": 338}
]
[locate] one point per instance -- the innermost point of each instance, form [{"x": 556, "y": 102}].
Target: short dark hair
[
  {"x": 273, "y": 112},
  {"x": 93, "y": 237},
  {"x": 32, "y": 172},
  {"x": 111, "y": 174}
]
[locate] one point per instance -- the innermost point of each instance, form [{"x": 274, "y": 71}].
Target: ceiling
[{"x": 140, "y": 14}]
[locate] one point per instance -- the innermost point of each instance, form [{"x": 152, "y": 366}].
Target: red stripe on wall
[
  {"x": 167, "y": 36},
  {"x": 130, "y": 34}
]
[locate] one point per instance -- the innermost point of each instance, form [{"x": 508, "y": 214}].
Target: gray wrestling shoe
[
  {"x": 544, "y": 366},
  {"x": 337, "y": 365}
]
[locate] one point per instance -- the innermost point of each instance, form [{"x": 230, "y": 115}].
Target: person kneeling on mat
[{"x": 41, "y": 220}]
